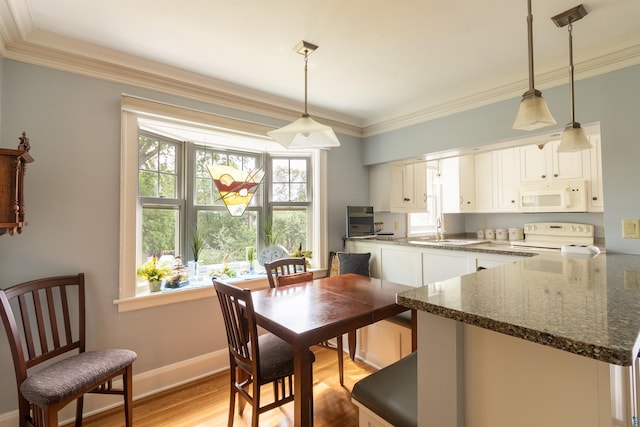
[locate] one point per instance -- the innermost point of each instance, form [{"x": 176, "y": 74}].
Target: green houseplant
[
  {"x": 153, "y": 273},
  {"x": 197, "y": 246},
  {"x": 197, "y": 243}
]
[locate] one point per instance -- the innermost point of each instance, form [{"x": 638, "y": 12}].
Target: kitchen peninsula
[{"x": 548, "y": 340}]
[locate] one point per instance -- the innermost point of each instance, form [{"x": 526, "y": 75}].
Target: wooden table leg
[
  {"x": 303, "y": 387},
  {"x": 351, "y": 336}
]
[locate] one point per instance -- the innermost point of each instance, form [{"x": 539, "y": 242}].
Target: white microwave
[{"x": 553, "y": 196}]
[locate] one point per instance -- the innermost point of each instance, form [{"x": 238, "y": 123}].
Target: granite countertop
[
  {"x": 485, "y": 246},
  {"x": 585, "y": 306}
]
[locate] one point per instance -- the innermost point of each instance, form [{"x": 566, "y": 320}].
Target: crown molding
[
  {"x": 63, "y": 54},
  {"x": 603, "y": 60},
  {"x": 19, "y": 41}
]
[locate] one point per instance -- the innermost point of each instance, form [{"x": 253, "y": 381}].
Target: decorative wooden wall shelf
[{"x": 13, "y": 164}]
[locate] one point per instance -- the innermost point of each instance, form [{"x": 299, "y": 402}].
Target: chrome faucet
[{"x": 439, "y": 228}]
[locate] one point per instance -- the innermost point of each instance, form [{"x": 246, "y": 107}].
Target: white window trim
[{"x": 131, "y": 109}]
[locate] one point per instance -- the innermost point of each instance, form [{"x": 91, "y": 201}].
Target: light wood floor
[{"x": 205, "y": 403}]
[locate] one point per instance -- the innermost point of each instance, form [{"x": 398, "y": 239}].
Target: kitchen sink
[{"x": 445, "y": 242}]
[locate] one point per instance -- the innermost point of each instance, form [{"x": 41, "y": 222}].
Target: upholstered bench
[{"x": 388, "y": 397}]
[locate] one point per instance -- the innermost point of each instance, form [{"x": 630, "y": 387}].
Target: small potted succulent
[
  {"x": 298, "y": 252},
  {"x": 153, "y": 273}
]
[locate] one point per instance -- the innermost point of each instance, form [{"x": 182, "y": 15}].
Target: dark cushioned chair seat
[
  {"x": 55, "y": 383},
  {"x": 276, "y": 357},
  {"x": 392, "y": 392}
]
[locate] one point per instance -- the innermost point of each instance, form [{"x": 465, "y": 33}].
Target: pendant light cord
[
  {"x": 571, "y": 71},
  {"x": 306, "y": 56},
  {"x": 530, "y": 42}
]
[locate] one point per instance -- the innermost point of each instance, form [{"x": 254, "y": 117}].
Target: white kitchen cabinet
[
  {"x": 497, "y": 176},
  {"x": 507, "y": 168},
  {"x": 385, "y": 342},
  {"x": 380, "y": 187},
  {"x": 486, "y": 260},
  {"x": 439, "y": 265},
  {"x": 408, "y": 187},
  {"x": 401, "y": 265},
  {"x": 484, "y": 182},
  {"x": 545, "y": 163},
  {"x": 596, "y": 196},
  {"x": 457, "y": 177}
]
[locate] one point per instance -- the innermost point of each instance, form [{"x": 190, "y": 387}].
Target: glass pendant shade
[
  {"x": 533, "y": 113},
  {"x": 305, "y": 133},
  {"x": 236, "y": 187},
  {"x": 574, "y": 138}
]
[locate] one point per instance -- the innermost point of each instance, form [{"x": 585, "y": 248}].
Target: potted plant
[
  {"x": 298, "y": 252},
  {"x": 197, "y": 246},
  {"x": 153, "y": 273},
  {"x": 250, "y": 258}
]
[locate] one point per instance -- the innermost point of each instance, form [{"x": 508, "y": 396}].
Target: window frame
[{"x": 132, "y": 109}]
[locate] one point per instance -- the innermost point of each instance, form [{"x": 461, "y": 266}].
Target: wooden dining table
[{"x": 309, "y": 313}]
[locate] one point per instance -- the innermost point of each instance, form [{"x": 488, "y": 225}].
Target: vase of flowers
[{"x": 153, "y": 273}]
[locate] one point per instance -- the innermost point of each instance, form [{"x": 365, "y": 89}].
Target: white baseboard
[{"x": 144, "y": 384}]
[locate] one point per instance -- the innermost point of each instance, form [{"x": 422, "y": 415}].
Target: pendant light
[
  {"x": 574, "y": 137},
  {"x": 533, "y": 112},
  {"x": 305, "y": 132}
]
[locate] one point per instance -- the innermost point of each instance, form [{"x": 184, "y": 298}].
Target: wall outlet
[
  {"x": 485, "y": 223},
  {"x": 631, "y": 228},
  {"x": 395, "y": 225}
]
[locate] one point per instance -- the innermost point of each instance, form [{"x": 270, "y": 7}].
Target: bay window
[{"x": 172, "y": 196}]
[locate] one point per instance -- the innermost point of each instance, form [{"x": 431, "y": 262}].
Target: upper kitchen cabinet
[
  {"x": 543, "y": 163},
  {"x": 497, "y": 176},
  {"x": 457, "y": 184},
  {"x": 409, "y": 187},
  {"x": 398, "y": 187},
  {"x": 380, "y": 187}
]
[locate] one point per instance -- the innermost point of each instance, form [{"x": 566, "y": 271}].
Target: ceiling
[{"x": 380, "y": 64}]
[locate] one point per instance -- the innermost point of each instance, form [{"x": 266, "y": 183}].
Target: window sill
[{"x": 172, "y": 296}]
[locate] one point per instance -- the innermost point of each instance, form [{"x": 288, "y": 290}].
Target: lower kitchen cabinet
[
  {"x": 383, "y": 343},
  {"x": 492, "y": 260},
  {"x": 439, "y": 265},
  {"x": 401, "y": 265}
]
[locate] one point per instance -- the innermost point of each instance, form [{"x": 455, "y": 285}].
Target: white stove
[{"x": 555, "y": 235}]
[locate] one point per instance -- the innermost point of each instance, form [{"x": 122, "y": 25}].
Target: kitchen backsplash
[{"x": 470, "y": 223}]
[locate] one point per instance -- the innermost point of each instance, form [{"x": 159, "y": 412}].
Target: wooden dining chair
[
  {"x": 283, "y": 267},
  {"x": 254, "y": 360},
  {"x": 49, "y": 314},
  {"x": 287, "y": 271}
]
